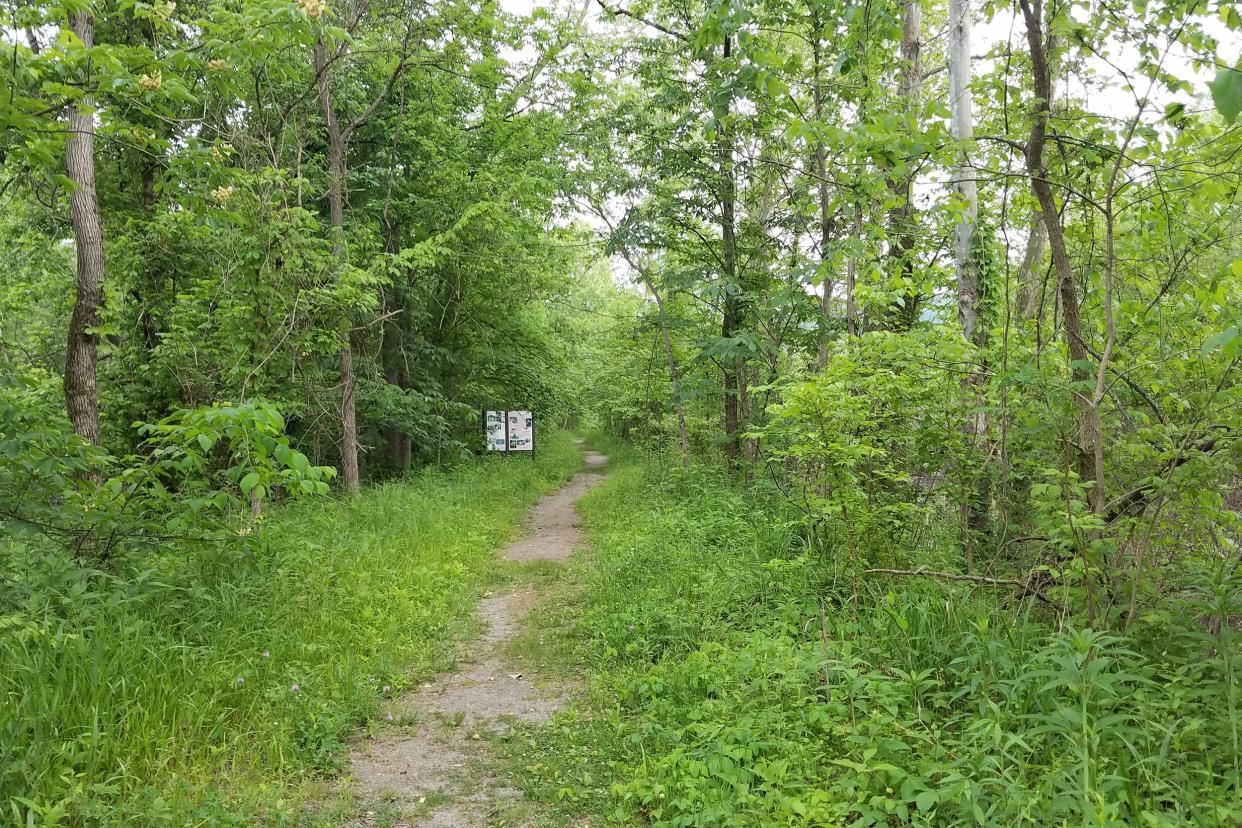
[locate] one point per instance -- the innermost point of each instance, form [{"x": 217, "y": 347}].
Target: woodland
[{"x": 913, "y": 328}]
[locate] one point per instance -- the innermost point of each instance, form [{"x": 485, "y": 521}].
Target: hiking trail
[{"x": 428, "y": 771}]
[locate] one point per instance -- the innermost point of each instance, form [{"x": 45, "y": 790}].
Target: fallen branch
[{"x": 1022, "y": 584}]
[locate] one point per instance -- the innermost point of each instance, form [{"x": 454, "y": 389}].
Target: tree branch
[
  {"x": 1023, "y": 584},
  {"x": 616, "y": 10}
]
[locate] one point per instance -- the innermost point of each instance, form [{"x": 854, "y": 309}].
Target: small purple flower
[
  {"x": 295, "y": 689},
  {"x": 389, "y": 717},
  {"x": 266, "y": 654},
  {"x": 240, "y": 681},
  {"x": 387, "y": 689}
]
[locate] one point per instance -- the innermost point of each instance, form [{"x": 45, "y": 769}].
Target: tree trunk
[
  {"x": 1079, "y": 365},
  {"x": 1030, "y": 277},
  {"x": 336, "y": 218},
  {"x": 674, "y": 376},
  {"x": 975, "y": 511},
  {"x": 732, "y": 318},
  {"x": 961, "y": 106},
  {"x": 901, "y": 217},
  {"x": 827, "y": 222},
  {"x": 392, "y": 355},
  {"x": 1029, "y": 271},
  {"x": 81, "y": 353},
  {"x": 851, "y": 276}
]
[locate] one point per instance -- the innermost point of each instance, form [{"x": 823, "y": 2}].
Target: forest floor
[{"x": 432, "y": 763}]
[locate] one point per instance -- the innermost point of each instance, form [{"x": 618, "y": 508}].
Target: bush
[{"x": 737, "y": 684}]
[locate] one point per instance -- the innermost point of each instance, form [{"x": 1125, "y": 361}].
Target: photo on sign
[
  {"x": 521, "y": 431},
  {"x": 494, "y": 427}
]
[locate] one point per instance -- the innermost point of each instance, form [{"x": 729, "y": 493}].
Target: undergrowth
[
  {"x": 737, "y": 683},
  {"x": 190, "y": 688}
]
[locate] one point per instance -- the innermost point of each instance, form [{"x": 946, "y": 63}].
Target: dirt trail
[{"x": 425, "y": 770}]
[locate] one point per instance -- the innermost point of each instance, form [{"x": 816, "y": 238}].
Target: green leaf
[
  {"x": 1220, "y": 340},
  {"x": 249, "y": 482},
  {"x": 299, "y": 462},
  {"x": 1227, "y": 93},
  {"x": 206, "y": 442}
]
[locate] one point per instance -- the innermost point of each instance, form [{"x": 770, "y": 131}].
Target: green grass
[
  {"x": 161, "y": 693},
  {"x": 715, "y": 700}
]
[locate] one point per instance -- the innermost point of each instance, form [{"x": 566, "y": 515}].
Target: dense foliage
[
  {"x": 943, "y": 327},
  {"x": 740, "y": 681}
]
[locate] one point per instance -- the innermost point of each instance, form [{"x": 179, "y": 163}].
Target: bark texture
[
  {"x": 962, "y": 108},
  {"x": 350, "y": 476},
  {"x": 82, "y": 350}
]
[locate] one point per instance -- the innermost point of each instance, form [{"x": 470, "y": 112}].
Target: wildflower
[
  {"x": 218, "y": 65},
  {"x": 240, "y": 681},
  {"x": 295, "y": 689},
  {"x": 387, "y": 689},
  {"x": 151, "y": 82},
  {"x": 389, "y": 717},
  {"x": 222, "y": 194},
  {"x": 266, "y": 654},
  {"x": 313, "y": 8}
]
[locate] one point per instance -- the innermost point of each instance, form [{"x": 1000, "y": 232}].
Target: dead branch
[{"x": 1024, "y": 584}]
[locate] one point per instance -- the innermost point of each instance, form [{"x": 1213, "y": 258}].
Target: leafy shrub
[{"x": 737, "y": 684}]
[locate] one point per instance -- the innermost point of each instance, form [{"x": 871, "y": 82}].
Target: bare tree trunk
[
  {"x": 961, "y": 106},
  {"x": 336, "y": 218},
  {"x": 81, "y": 353}
]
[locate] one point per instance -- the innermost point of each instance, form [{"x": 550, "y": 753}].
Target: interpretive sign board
[
  {"x": 521, "y": 431},
  {"x": 509, "y": 430},
  {"x": 494, "y": 430}
]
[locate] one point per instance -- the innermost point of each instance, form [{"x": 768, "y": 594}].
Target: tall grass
[
  {"x": 183, "y": 689},
  {"x": 738, "y": 684}
]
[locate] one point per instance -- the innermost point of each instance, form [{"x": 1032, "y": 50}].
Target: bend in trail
[{"x": 426, "y": 770}]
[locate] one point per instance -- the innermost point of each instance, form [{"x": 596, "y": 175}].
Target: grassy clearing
[
  {"x": 192, "y": 689},
  {"x": 722, "y": 695}
]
